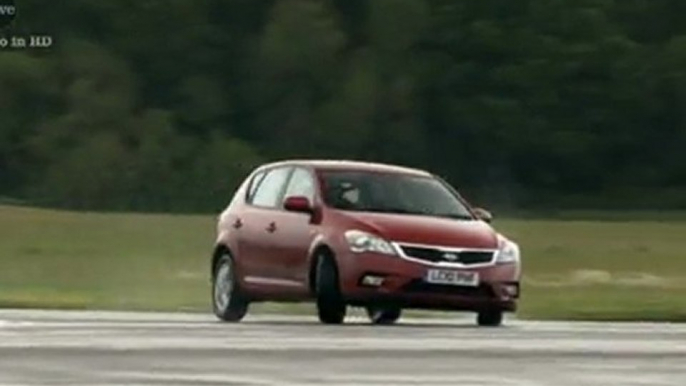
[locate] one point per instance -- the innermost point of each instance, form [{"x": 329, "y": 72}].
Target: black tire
[
  {"x": 490, "y": 318},
  {"x": 228, "y": 302},
  {"x": 384, "y": 315},
  {"x": 331, "y": 308}
]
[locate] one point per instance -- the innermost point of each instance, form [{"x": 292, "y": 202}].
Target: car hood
[{"x": 428, "y": 230}]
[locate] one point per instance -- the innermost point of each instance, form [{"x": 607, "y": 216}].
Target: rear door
[{"x": 259, "y": 229}]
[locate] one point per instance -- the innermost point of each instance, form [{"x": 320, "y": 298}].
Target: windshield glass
[{"x": 391, "y": 193}]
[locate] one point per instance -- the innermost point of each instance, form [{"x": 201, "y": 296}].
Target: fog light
[
  {"x": 511, "y": 290},
  {"x": 372, "y": 281}
]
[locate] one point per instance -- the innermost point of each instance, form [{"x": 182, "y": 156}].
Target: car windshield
[{"x": 391, "y": 193}]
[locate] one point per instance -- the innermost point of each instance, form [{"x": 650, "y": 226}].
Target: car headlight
[
  {"x": 508, "y": 251},
  {"x": 365, "y": 242}
]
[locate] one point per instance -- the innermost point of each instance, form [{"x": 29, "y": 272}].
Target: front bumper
[{"x": 404, "y": 286}]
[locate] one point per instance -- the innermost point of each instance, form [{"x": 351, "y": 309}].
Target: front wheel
[
  {"x": 384, "y": 316},
  {"x": 331, "y": 308},
  {"x": 228, "y": 303},
  {"x": 490, "y": 318}
]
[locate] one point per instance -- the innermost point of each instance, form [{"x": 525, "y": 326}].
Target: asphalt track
[{"x": 93, "y": 348}]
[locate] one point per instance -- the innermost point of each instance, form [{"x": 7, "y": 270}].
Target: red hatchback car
[{"x": 377, "y": 236}]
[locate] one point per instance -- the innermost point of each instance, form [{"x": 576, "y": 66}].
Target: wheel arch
[{"x": 219, "y": 251}]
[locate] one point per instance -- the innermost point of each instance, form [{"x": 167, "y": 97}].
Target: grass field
[{"x": 619, "y": 269}]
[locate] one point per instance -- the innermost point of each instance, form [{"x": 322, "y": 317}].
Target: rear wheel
[
  {"x": 385, "y": 316},
  {"x": 490, "y": 318},
  {"x": 331, "y": 308},
  {"x": 228, "y": 303}
]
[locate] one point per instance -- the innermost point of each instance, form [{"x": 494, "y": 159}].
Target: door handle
[
  {"x": 271, "y": 228},
  {"x": 238, "y": 224}
]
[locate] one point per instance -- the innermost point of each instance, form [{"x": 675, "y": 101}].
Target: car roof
[{"x": 322, "y": 164}]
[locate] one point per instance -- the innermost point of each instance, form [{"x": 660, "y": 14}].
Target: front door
[{"x": 296, "y": 230}]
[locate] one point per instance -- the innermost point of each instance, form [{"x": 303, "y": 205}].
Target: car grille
[
  {"x": 422, "y": 287},
  {"x": 435, "y": 255}
]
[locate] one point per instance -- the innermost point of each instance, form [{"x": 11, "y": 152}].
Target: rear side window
[{"x": 268, "y": 192}]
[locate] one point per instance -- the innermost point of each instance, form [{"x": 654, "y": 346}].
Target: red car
[{"x": 376, "y": 236}]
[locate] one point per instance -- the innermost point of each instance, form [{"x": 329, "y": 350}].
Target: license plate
[{"x": 452, "y": 277}]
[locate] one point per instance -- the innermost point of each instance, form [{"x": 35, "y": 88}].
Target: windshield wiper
[
  {"x": 418, "y": 213},
  {"x": 455, "y": 216},
  {"x": 393, "y": 210}
]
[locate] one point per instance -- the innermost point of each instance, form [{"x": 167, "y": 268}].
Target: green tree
[{"x": 296, "y": 71}]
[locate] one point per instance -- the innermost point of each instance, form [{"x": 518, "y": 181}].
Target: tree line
[{"x": 167, "y": 104}]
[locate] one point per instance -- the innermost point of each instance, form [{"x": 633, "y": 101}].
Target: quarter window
[{"x": 254, "y": 184}]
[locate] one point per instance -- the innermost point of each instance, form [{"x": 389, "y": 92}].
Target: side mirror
[
  {"x": 483, "y": 215},
  {"x": 300, "y": 204}
]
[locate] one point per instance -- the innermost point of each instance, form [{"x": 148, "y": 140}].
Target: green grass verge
[{"x": 592, "y": 270}]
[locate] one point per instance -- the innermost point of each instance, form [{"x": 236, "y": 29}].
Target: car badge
[{"x": 451, "y": 256}]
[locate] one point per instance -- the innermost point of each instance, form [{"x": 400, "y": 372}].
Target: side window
[
  {"x": 269, "y": 191},
  {"x": 254, "y": 184},
  {"x": 301, "y": 184}
]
